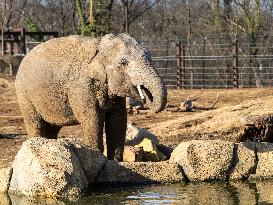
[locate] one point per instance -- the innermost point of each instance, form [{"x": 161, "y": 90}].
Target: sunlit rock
[
  {"x": 244, "y": 162},
  {"x": 140, "y": 173},
  {"x": 5, "y": 199},
  {"x": 5, "y": 174},
  {"x": 265, "y": 160},
  {"x": 54, "y": 167},
  {"x": 264, "y": 191},
  {"x": 204, "y": 160}
]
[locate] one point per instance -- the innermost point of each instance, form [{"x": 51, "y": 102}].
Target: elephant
[{"x": 82, "y": 80}]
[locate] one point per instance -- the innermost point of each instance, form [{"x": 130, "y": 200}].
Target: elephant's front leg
[
  {"x": 115, "y": 129},
  {"x": 90, "y": 116},
  {"x": 92, "y": 126}
]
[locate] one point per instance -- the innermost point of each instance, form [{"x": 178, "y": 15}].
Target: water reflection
[{"x": 192, "y": 193}]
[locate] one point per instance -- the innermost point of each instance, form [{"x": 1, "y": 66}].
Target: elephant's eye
[{"x": 123, "y": 62}]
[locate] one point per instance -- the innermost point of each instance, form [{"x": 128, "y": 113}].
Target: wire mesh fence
[
  {"x": 211, "y": 62},
  {"x": 208, "y": 62}
]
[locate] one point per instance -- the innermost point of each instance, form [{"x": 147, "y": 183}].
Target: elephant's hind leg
[
  {"x": 35, "y": 124},
  {"x": 32, "y": 119}
]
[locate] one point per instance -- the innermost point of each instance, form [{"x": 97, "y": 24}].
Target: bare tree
[
  {"x": 252, "y": 21},
  {"x": 6, "y": 13}
]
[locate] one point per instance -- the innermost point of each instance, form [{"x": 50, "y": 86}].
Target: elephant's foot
[{"x": 116, "y": 155}]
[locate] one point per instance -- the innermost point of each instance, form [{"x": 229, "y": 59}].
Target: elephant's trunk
[{"x": 153, "y": 90}]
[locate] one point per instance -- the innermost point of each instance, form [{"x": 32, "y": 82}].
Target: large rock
[
  {"x": 204, "y": 160},
  {"x": 135, "y": 135},
  {"x": 133, "y": 154},
  {"x": 5, "y": 174},
  {"x": 5, "y": 199},
  {"x": 265, "y": 160},
  {"x": 146, "y": 151},
  {"x": 54, "y": 167},
  {"x": 140, "y": 173},
  {"x": 264, "y": 189},
  {"x": 244, "y": 162}
]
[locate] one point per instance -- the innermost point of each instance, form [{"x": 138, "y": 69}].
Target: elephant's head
[{"x": 129, "y": 72}]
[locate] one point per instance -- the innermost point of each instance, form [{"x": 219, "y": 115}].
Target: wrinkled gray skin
[{"x": 79, "y": 80}]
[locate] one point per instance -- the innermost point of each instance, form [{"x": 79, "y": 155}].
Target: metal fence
[
  {"x": 211, "y": 62},
  {"x": 208, "y": 62}
]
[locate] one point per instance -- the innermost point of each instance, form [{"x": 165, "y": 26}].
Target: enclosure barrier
[
  {"x": 13, "y": 42},
  {"x": 181, "y": 63},
  {"x": 213, "y": 62},
  {"x": 203, "y": 62}
]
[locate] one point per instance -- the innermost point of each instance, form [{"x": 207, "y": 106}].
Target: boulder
[
  {"x": 244, "y": 162},
  {"x": 145, "y": 151},
  {"x": 5, "y": 199},
  {"x": 126, "y": 173},
  {"x": 5, "y": 174},
  {"x": 135, "y": 135},
  {"x": 54, "y": 167},
  {"x": 265, "y": 192},
  {"x": 133, "y": 154},
  {"x": 204, "y": 160},
  {"x": 150, "y": 151},
  {"x": 264, "y": 167}
]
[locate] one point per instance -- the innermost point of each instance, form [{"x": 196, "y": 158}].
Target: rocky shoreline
[{"x": 53, "y": 168}]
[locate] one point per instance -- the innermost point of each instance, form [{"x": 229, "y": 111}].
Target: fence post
[
  {"x": 179, "y": 65},
  {"x": 183, "y": 65},
  {"x": 23, "y": 40},
  {"x": 235, "y": 62},
  {"x": 203, "y": 62},
  {"x": 2, "y": 41}
]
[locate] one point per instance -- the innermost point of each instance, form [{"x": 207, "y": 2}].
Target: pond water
[{"x": 191, "y": 193}]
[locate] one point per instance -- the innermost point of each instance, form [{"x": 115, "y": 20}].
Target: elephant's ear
[
  {"x": 96, "y": 69},
  {"x": 109, "y": 47}
]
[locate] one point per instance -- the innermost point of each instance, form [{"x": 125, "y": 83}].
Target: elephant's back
[
  {"x": 59, "y": 53},
  {"x": 47, "y": 71},
  {"x": 58, "y": 59}
]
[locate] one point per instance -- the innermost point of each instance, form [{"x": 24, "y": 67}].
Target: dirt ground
[{"x": 170, "y": 127}]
